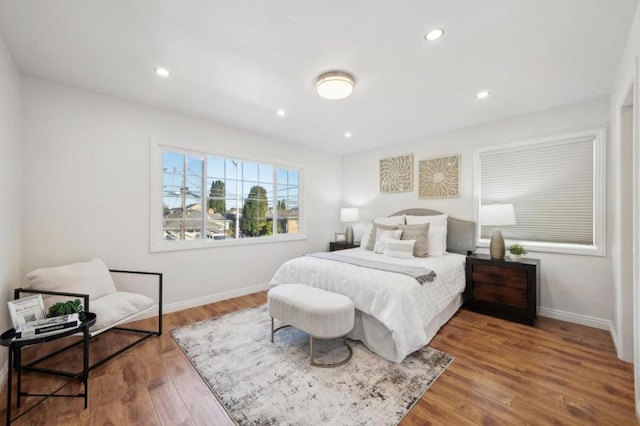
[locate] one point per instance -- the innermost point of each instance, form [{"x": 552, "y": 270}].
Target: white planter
[{"x": 515, "y": 257}]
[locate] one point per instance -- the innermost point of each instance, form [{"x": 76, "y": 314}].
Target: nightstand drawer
[
  {"x": 507, "y": 296},
  {"x": 507, "y": 277}
]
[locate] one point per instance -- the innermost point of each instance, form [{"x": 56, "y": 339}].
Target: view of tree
[
  {"x": 282, "y": 205},
  {"x": 254, "y": 213},
  {"x": 216, "y": 197}
]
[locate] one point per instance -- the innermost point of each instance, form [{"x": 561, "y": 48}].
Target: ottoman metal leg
[
  {"x": 273, "y": 330},
  {"x": 336, "y": 364}
]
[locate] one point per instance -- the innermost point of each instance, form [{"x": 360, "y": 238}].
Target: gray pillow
[
  {"x": 374, "y": 230},
  {"x": 420, "y": 234}
]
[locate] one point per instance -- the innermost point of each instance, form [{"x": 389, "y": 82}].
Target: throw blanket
[{"x": 421, "y": 275}]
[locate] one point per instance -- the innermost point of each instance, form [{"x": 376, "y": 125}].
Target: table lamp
[
  {"x": 348, "y": 215},
  {"x": 497, "y": 215}
]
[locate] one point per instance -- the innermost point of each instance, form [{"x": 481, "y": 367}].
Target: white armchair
[{"x": 93, "y": 283}]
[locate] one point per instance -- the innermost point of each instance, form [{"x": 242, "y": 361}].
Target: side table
[
  {"x": 503, "y": 288},
  {"x": 15, "y": 361},
  {"x": 342, "y": 245}
]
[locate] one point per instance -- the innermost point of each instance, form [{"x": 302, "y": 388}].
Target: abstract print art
[
  {"x": 439, "y": 177},
  {"x": 396, "y": 174}
]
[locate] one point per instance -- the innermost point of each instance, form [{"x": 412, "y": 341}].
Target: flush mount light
[
  {"x": 434, "y": 34},
  {"x": 347, "y": 134},
  {"x": 162, "y": 72},
  {"x": 281, "y": 113},
  {"x": 482, "y": 94},
  {"x": 335, "y": 85}
]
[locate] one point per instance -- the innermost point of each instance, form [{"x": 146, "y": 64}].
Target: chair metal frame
[{"x": 144, "y": 334}]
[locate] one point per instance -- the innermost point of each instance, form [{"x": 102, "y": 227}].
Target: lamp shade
[
  {"x": 497, "y": 215},
  {"x": 349, "y": 214}
]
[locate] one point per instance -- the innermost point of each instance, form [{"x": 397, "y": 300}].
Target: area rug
[{"x": 264, "y": 383}]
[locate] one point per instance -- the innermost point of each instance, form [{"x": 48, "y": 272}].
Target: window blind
[{"x": 551, "y": 187}]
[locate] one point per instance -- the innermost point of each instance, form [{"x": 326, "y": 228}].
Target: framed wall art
[
  {"x": 439, "y": 177},
  {"x": 396, "y": 174}
]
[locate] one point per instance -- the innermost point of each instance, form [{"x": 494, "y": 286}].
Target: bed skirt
[{"x": 378, "y": 338}]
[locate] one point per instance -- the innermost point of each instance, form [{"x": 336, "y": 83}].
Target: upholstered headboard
[{"x": 461, "y": 234}]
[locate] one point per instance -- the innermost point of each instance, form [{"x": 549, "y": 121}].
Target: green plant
[
  {"x": 517, "y": 249},
  {"x": 66, "y": 308}
]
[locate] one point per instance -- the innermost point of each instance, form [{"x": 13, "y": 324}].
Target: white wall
[
  {"x": 86, "y": 191},
  {"x": 10, "y": 145},
  {"x": 576, "y": 288},
  {"x": 626, "y": 79}
]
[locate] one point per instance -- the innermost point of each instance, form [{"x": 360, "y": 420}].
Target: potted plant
[
  {"x": 517, "y": 251},
  {"x": 66, "y": 308}
]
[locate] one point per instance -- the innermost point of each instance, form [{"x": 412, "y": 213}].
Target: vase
[{"x": 516, "y": 257}]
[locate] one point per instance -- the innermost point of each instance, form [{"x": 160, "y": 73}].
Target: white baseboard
[
  {"x": 212, "y": 298},
  {"x": 204, "y": 300},
  {"x": 589, "y": 321}
]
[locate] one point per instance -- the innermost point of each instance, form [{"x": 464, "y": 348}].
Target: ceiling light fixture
[
  {"x": 162, "y": 72},
  {"x": 335, "y": 85},
  {"x": 482, "y": 94},
  {"x": 347, "y": 134},
  {"x": 281, "y": 113},
  {"x": 434, "y": 34}
]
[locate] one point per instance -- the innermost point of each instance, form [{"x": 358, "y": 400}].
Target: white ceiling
[{"x": 238, "y": 62}]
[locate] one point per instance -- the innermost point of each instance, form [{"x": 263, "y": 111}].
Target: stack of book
[{"x": 47, "y": 326}]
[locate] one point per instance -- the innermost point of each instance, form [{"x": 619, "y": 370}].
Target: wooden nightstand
[
  {"x": 335, "y": 246},
  {"x": 503, "y": 288}
]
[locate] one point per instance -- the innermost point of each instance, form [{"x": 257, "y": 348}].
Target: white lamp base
[
  {"x": 496, "y": 246},
  {"x": 348, "y": 237}
]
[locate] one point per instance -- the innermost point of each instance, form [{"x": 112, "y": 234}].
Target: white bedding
[{"x": 397, "y": 301}]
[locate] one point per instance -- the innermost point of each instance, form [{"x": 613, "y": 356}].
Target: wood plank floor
[{"x": 504, "y": 374}]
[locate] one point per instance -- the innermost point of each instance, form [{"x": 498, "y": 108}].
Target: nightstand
[
  {"x": 341, "y": 245},
  {"x": 503, "y": 288}
]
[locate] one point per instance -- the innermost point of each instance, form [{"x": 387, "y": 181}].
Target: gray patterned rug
[{"x": 264, "y": 383}]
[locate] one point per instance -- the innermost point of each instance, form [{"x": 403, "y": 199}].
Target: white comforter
[{"x": 398, "y": 301}]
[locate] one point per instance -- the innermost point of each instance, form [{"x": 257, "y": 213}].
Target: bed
[{"x": 395, "y": 314}]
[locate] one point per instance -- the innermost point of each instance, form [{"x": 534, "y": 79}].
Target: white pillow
[
  {"x": 365, "y": 236},
  {"x": 437, "y": 220},
  {"x": 399, "y": 248},
  {"x": 384, "y": 235},
  {"x": 92, "y": 278},
  {"x": 437, "y": 240},
  {"x": 390, "y": 221}
]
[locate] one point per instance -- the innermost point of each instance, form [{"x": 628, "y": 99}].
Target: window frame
[
  {"x": 598, "y": 248},
  {"x": 159, "y": 244}
]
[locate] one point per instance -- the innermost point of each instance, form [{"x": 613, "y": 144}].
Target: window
[
  {"x": 211, "y": 200},
  {"x": 556, "y": 186}
]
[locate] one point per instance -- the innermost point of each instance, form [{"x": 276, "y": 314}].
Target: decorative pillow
[
  {"x": 382, "y": 236},
  {"x": 436, "y": 220},
  {"x": 92, "y": 278},
  {"x": 437, "y": 240},
  {"x": 419, "y": 233},
  {"x": 399, "y": 248},
  {"x": 366, "y": 235},
  {"x": 390, "y": 221},
  {"x": 371, "y": 241}
]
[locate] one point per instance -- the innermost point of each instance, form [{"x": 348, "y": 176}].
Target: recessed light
[
  {"x": 162, "y": 72},
  {"x": 434, "y": 34},
  {"x": 482, "y": 94},
  {"x": 347, "y": 134},
  {"x": 281, "y": 113}
]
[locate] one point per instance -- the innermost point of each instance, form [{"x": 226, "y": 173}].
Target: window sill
[
  {"x": 163, "y": 246},
  {"x": 577, "y": 249}
]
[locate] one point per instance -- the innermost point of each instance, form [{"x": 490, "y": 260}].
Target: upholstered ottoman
[{"x": 322, "y": 314}]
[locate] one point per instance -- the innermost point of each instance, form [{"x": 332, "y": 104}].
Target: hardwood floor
[{"x": 504, "y": 374}]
